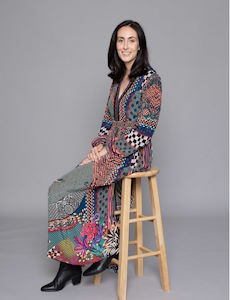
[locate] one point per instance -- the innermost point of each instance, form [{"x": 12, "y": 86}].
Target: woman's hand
[{"x": 96, "y": 152}]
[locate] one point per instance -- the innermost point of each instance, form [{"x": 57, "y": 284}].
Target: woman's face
[{"x": 127, "y": 44}]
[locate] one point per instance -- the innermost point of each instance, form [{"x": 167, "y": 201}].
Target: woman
[{"x": 82, "y": 227}]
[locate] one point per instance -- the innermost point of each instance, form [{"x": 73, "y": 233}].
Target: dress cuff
[{"x": 98, "y": 140}]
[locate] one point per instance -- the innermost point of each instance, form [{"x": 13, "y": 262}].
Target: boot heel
[{"x": 76, "y": 280}]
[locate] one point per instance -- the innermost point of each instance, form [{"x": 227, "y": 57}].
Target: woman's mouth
[{"x": 126, "y": 53}]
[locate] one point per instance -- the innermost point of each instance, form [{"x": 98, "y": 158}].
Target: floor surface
[{"x": 197, "y": 254}]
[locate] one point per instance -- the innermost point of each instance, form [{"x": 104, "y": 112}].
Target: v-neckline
[
  {"x": 118, "y": 99},
  {"x": 125, "y": 90}
]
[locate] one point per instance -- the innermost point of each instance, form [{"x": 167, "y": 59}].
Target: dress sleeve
[
  {"x": 105, "y": 126},
  {"x": 127, "y": 140}
]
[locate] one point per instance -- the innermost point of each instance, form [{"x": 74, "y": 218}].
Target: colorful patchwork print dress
[{"x": 81, "y": 223}]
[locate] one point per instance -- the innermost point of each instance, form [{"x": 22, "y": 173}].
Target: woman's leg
[
  {"x": 78, "y": 178},
  {"x": 81, "y": 228}
]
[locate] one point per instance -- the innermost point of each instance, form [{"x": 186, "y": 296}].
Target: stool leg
[
  {"x": 162, "y": 259},
  {"x": 97, "y": 279},
  {"x": 124, "y": 238},
  {"x": 138, "y": 225}
]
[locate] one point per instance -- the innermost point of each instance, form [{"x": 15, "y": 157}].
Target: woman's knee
[
  {"x": 50, "y": 187},
  {"x": 54, "y": 184}
]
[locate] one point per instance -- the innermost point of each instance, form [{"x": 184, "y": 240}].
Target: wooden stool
[{"x": 125, "y": 220}]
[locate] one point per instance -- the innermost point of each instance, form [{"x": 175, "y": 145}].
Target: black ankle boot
[
  {"x": 65, "y": 273},
  {"x": 99, "y": 266}
]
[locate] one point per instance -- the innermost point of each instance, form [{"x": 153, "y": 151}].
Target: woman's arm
[{"x": 128, "y": 140}]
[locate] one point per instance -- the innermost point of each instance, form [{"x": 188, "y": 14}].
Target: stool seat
[
  {"x": 126, "y": 220},
  {"x": 148, "y": 173}
]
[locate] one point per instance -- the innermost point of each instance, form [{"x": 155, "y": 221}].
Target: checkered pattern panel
[
  {"x": 134, "y": 160},
  {"x": 136, "y": 140},
  {"x": 52, "y": 253},
  {"x": 103, "y": 131},
  {"x": 145, "y": 78}
]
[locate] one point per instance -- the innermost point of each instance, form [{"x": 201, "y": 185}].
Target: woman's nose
[{"x": 125, "y": 45}]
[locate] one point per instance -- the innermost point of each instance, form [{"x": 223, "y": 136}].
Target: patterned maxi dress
[{"x": 81, "y": 224}]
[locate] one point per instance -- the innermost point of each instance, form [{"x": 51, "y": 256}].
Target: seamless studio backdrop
[{"x": 53, "y": 91}]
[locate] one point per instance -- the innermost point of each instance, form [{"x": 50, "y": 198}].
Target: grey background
[{"x": 53, "y": 91}]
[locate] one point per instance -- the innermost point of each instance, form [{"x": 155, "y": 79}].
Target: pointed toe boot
[
  {"x": 99, "y": 266},
  {"x": 65, "y": 273}
]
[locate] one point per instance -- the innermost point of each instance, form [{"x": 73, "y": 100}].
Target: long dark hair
[{"x": 117, "y": 66}]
